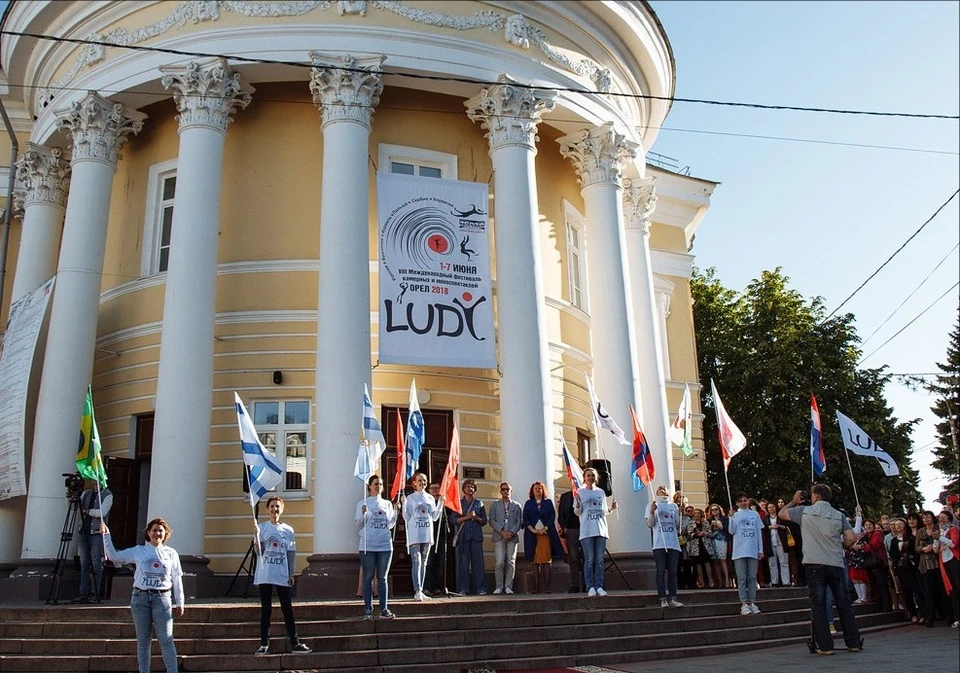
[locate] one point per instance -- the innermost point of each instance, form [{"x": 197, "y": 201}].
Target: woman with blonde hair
[{"x": 717, "y": 526}]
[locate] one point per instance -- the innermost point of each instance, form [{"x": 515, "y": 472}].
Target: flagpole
[
  {"x": 852, "y": 481},
  {"x": 253, "y": 512},
  {"x": 727, "y": 480}
]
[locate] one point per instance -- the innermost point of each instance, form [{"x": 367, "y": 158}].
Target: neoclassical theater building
[{"x": 200, "y": 178}]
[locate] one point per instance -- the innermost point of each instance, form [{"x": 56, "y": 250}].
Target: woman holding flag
[
  {"x": 375, "y": 517},
  {"x": 590, "y": 505},
  {"x": 420, "y": 510},
  {"x": 663, "y": 517}
]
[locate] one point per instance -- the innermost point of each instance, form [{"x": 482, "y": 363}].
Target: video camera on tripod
[{"x": 73, "y": 484}]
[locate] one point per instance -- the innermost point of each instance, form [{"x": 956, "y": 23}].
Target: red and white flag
[{"x": 732, "y": 440}]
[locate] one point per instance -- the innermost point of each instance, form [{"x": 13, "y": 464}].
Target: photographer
[{"x": 94, "y": 510}]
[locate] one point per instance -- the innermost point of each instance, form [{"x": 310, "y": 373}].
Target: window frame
[
  {"x": 283, "y": 430},
  {"x": 576, "y": 257},
  {"x": 418, "y": 157},
  {"x": 153, "y": 217}
]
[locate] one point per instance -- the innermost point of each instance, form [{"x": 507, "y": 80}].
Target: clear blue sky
[{"x": 829, "y": 215}]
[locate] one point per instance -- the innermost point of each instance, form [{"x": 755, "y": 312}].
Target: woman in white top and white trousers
[{"x": 420, "y": 510}]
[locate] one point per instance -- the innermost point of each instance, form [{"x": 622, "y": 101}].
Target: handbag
[
  {"x": 791, "y": 541},
  {"x": 870, "y": 560}
]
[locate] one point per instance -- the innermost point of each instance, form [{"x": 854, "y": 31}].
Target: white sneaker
[
  {"x": 497, "y": 591},
  {"x": 424, "y": 597},
  {"x": 674, "y": 603},
  {"x": 418, "y": 597},
  {"x": 601, "y": 592},
  {"x": 508, "y": 590},
  {"x": 591, "y": 593},
  {"x": 745, "y": 610},
  {"x": 663, "y": 603},
  {"x": 754, "y": 608}
]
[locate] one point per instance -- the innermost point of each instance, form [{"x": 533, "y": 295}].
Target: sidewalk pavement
[{"x": 894, "y": 650}]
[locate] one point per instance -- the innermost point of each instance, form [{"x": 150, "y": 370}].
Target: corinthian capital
[
  {"x": 510, "y": 113},
  {"x": 98, "y": 127},
  {"x": 346, "y": 88},
  {"x": 206, "y": 93},
  {"x": 598, "y": 154},
  {"x": 639, "y": 202},
  {"x": 43, "y": 176}
]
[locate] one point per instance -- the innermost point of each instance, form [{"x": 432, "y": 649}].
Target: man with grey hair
[{"x": 826, "y": 532}]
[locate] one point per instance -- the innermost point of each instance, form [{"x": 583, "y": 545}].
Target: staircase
[{"x": 445, "y": 634}]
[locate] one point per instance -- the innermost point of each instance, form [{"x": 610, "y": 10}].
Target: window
[
  {"x": 158, "y": 221},
  {"x": 286, "y": 424},
  {"x": 584, "y": 453},
  {"x": 576, "y": 269},
  {"x": 415, "y": 161}
]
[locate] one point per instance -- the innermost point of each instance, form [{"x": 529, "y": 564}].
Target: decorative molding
[
  {"x": 346, "y": 88},
  {"x": 206, "y": 93},
  {"x": 510, "y": 114},
  {"x": 517, "y": 31},
  {"x": 43, "y": 176},
  {"x": 667, "y": 263},
  {"x": 639, "y": 202},
  {"x": 98, "y": 127},
  {"x": 598, "y": 154}
]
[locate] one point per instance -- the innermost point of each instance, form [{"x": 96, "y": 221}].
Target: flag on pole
[
  {"x": 732, "y": 440},
  {"x": 263, "y": 468},
  {"x": 680, "y": 430},
  {"x": 857, "y": 441},
  {"x": 642, "y": 469},
  {"x": 372, "y": 442},
  {"x": 817, "y": 459},
  {"x": 450, "y": 485},
  {"x": 366, "y": 462},
  {"x": 89, "y": 460},
  {"x": 415, "y": 432},
  {"x": 601, "y": 416},
  {"x": 400, "y": 476},
  {"x": 574, "y": 472}
]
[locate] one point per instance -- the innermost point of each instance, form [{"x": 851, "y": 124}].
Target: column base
[{"x": 330, "y": 576}]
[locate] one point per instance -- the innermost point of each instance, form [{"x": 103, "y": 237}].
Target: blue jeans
[
  {"x": 746, "y": 578},
  {"x": 375, "y": 562},
  {"x": 90, "y": 548},
  {"x": 819, "y": 577},
  {"x": 593, "y": 549},
  {"x": 667, "y": 561},
  {"x": 153, "y": 612},
  {"x": 419, "y": 553}
]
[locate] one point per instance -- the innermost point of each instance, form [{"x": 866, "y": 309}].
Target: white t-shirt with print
[{"x": 278, "y": 548}]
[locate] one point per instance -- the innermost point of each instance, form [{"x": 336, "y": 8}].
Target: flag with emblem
[{"x": 89, "y": 459}]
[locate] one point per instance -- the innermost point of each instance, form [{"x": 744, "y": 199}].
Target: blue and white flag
[
  {"x": 415, "y": 432},
  {"x": 263, "y": 468},
  {"x": 372, "y": 442}
]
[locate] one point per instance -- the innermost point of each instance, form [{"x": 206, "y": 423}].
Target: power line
[
  {"x": 470, "y": 80},
  {"x": 909, "y": 323},
  {"x": 945, "y": 257},
  {"x": 896, "y": 252}
]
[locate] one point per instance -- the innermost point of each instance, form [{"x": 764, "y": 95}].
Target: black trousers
[{"x": 266, "y": 607}]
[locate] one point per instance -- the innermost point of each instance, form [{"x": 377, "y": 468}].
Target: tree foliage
[
  {"x": 767, "y": 349},
  {"x": 946, "y": 388}
]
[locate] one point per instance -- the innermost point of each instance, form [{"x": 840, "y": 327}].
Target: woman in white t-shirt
[
  {"x": 590, "y": 504},
  {"x": 420, "y": 510},
  {"x": 663, "y": 518},
  {"x": 374, "y": 518},
  {"x": 157, "y": 576},
  {"x": 277, "y": 548}
]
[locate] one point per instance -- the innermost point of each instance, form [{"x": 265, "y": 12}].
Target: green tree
[
  {"x": 767, "y": 349},
  {"x": 947, "y": 408}
]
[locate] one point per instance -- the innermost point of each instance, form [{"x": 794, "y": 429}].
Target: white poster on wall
[
  {"x": 435, "y": 289},
  {"x": 16, "y": 362}
]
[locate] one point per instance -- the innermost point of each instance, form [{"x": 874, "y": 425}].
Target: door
[{"x": 123, "y": 480}]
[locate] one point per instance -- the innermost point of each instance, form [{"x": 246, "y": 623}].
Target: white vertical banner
[
  {"x": 435, "y": 289},
  {"x": 16, "y": 364}
]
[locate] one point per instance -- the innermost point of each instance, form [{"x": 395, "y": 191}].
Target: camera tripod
[{"x": 66, "y": 537}]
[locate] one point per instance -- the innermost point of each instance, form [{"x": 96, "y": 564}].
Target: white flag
[
  {"x": 602, "y": 418},
  {"x": 859, "y": 442},
  {"x": 679, "y": 431}
]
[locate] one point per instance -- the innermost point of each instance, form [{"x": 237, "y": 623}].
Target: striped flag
[
  {"x": 642, "y": 469},
  {"x": 817, "y": 459},
  {"x": 574, "y": 472},
  {"x": 263, "y": 468},
  {"x": 372, "y": 442},
  {"x": 415, "y": 432},
  {"x": 89, "y": 460},
  {"x": 732, "y": 440}
]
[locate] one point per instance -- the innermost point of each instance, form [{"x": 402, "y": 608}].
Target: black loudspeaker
[
  {"x": 278, "y": 377},
  {"x": 604, "y": 478}
]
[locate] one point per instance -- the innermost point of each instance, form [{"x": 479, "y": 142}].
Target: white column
[
  {"x": 206, "y": 94},
  {"x": 346, "y": 99},
  {"x": 98, "y": 128},
  {"x": 639, "y": 201},
  {"x": 598, "y": 154},
  {"x": 510, "y": 116},
  {"x": 44, "y": 177}
]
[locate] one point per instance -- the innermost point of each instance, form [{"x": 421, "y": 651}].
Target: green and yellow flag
[{"x": 89, "y": 461}]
